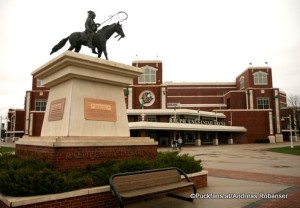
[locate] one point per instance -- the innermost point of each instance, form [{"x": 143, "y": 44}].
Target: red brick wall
[
  {"x": 66, "y": 158},
  {"x": 236, "y": 100},
  {"x": 38, "y": 118},
  {"x": 255, "y": 121},
  {"x": 198, "y": 94},
  {"x": 20, "y": 123}
]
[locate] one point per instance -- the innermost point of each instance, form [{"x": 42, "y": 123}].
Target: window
[
  {"x": 260, "y": 78},
  {"x": 263, "y": 103},
  {"x": 40, "y": 104},
  {"x": 148, "y": 118},
  {"x": 39, "y": 83},
  {"x": 151, "y": 118},
  {"x": 152, "y": 135},
  {"x": 149, "y": 75},
  {"x": 242, "y": 82}
]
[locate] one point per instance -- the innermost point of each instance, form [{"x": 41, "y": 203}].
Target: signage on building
[
  {"x": 173, "y": 105},
  {"x": 196, "y": 121},
  {"x": 147, "y": 98}
]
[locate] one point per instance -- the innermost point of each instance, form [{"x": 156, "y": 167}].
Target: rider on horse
[{"x": 90, "y": 29}]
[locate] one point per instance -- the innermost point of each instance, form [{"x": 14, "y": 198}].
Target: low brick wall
[
  {"x": 98, "y": 197},
  {"x": 67, "y": 158}
]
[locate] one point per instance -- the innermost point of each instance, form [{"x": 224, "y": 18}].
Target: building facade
[
  {"x": 243, "y": 111},
  {"x": 35, "y": 106},
  {"x": 15, "y": 124}
]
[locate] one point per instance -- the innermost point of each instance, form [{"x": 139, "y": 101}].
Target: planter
[{"x": 89, "y": 197}]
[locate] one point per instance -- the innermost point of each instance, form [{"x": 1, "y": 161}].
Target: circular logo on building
[{"x": 147, "y": 98}]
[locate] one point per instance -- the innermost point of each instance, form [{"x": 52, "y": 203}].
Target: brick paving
[{"x": 293, "y": 192}]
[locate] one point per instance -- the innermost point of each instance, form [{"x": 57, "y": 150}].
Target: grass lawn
[
  {"x": 286, "y": 150},
  {"x": 6, "y": 149}
]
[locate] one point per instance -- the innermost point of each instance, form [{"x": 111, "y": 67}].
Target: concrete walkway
[
  {"x": 245, "y": 176},
  {"x": 241, "y": 176}
]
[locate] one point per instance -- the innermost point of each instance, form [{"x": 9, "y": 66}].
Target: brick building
[
  {"x": 236, "y": 112},
  {"x": 201, "y": 113},
  {"x": 15, "y": 124},
  {"x": 35, "y": 106}
]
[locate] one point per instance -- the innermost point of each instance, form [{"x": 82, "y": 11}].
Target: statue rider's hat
[{"x": 91, "y": 13}]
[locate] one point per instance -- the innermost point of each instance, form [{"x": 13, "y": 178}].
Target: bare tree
[{"x": 294, "y": 103}]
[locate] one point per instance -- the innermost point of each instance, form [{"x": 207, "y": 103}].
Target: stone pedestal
[{"x": 85, "y": 116}]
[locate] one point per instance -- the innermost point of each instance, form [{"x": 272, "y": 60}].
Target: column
[
  {"x": 198, "y": 139},
  {"x": 216, "y": 140}
]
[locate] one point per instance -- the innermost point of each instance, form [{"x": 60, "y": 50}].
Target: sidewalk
[
  {"x": 242, "y": 171},
  {"x": 246, "y": 171}
]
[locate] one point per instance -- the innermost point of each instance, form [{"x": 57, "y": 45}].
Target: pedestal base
[
  {"x": 198, "y": 142},
  {"x": 278, "y": 138},
  {"x": 66, "y": 153},
  {"x": 272, "y": 139},
  {"x": 230, "y": 141},
  {"x": 215, "y": 141}
]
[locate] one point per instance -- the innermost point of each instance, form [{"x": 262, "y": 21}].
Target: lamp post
[{"x": 291, "y": 134}]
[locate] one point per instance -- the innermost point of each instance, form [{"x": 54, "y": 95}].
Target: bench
[{"x": 149, "y": 182}]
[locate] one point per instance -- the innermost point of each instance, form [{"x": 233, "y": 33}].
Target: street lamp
[{"x": 291, "y": 134}]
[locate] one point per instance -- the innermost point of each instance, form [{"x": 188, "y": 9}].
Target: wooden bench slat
[
  {"x": 133, "y": 182},
  {"x": 149, "y": 182},
  {"x": 155, "y": 189},
  {"x": 147, "y": 175}
]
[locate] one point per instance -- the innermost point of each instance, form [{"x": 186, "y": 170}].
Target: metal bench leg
[{"x": 180, "y": 197}]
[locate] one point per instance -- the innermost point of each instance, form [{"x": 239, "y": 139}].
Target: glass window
[
  {"x": 242, "y": 82},
  {"x": 40, "y": 104},
  {"x": 148, "y": 118},
  {"x": 151, "y": 118},
  {"x": 39, "y": 83},
  {"x": 260, "y": 78},
  {"x": 152, "y": 135},
  {"x": 149, "y": 75},
  {"x": 263, "y": 103}
]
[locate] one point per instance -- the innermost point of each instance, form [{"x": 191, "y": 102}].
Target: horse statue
[{"x": 77, "y": 39}]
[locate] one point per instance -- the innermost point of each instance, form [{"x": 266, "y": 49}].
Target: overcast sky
[{"x": 197, "y": 40}]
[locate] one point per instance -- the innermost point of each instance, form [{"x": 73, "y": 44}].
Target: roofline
[
  {"x": 183, "y": 126},
  {"x": 170, "y": 83},
  {"x": 146, "y": 61},
  {"x": 169, "y": 111},
  {"x": 254, "y": 67}
]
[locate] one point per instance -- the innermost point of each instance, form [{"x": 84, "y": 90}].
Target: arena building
[{"x": 243, "y": 111}]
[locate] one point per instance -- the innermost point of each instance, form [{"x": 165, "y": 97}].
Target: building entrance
[{"x": 206, "y": 138}]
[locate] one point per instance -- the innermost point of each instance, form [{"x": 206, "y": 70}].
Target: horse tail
[{"x": 59, "y": 45}]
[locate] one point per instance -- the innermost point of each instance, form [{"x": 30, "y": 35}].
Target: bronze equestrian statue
[{"x": 98, "y": 39}]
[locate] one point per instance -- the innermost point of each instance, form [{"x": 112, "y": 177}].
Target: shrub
[
  {"x": 265, "y": 140},
  {"x": 27, "y": 177},
  {"x": 172, "y": 159}
]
